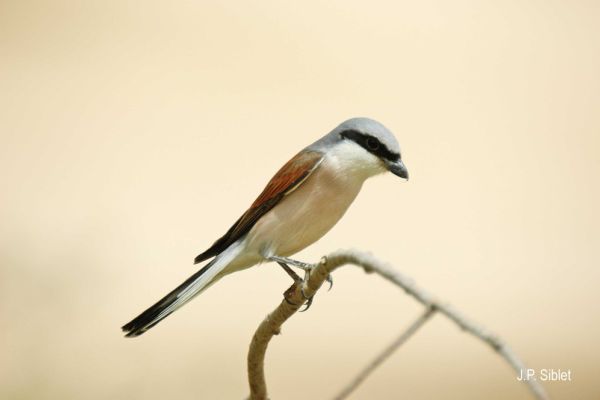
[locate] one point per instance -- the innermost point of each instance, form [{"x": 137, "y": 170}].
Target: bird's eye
[{"x": 372, "y": 144}]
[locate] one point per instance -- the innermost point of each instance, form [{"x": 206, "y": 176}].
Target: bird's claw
[
  {"x": 288, "y": 293},
  {"x": 309, "y": 300}
]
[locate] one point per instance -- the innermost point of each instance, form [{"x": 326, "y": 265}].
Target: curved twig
[{"x": 294, "y": 297}]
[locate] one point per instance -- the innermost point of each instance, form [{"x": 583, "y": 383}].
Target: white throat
[{"x": 352, "y": 161}]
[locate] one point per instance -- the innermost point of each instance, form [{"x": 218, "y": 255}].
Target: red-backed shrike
[{"x": 301, "y": 203}]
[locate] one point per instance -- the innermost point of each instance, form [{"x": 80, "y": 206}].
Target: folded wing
[{"x": 285, "y": 181}]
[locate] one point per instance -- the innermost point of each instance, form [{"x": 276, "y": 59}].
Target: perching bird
[{"x": 299, "y": 205}]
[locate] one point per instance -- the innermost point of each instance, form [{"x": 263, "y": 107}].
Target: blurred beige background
[{"x": 134, "y": 133}]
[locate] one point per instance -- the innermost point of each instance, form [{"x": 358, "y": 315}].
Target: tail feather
[{"x": 194, "y": 285}]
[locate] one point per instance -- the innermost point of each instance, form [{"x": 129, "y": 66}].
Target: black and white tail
[{"x": 193, "y": 286}]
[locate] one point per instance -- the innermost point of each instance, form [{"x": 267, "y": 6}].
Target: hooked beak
[{"x": 398, "y": 168}]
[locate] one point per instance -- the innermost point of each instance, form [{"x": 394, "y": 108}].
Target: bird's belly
[{"x": 304, "y": 215}]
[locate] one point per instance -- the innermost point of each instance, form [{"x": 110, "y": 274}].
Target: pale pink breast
[{"x": 306, "y": 214}]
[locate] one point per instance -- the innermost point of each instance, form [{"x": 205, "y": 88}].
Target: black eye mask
[{"x": 371, "y": 144}]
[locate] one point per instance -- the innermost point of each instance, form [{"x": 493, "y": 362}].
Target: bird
[{"x": 298, "y": 206}]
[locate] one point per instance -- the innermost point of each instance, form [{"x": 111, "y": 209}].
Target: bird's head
[{"x": 368, "y": 145}]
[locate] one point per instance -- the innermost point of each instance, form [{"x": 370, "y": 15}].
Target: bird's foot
[
  {"x": 297, "y": 281},
  {"x": 307, "y": 268},
  {"x": 302, "y": 265},
  {"x": 290, "y": 271}
]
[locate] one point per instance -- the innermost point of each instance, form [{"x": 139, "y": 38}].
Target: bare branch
[
  {"x": 386, "y": 353},
  {"x": 295, "y": 297}
]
